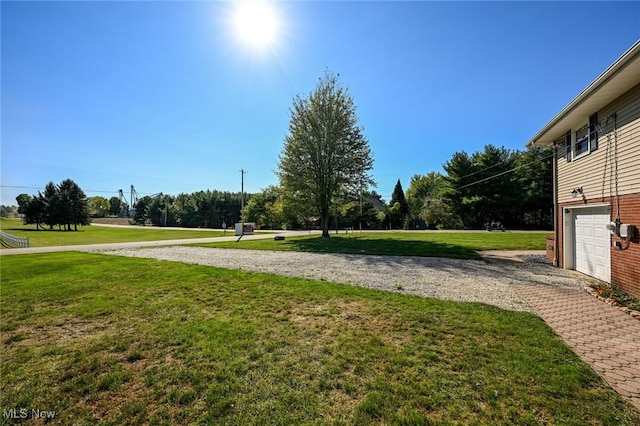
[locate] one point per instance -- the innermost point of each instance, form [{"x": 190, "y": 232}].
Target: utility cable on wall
[{"x": 615, "y": 163}]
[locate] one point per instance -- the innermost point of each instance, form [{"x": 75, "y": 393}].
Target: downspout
[{"x": 555, "y": 205}]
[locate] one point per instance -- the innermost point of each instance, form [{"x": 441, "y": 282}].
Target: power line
[
  {"x": 242, "y": 173},
  {"x": 505, "y": 172},
  {"x": 93, "y": 191},
  {"x": 562, "y": 150},
  {"x": 480, "y": 171},
  {"x": 20, "y": 187},
  {"x": 499, "y": 174}
]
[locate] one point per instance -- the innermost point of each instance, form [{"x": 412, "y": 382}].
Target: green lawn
[
  {"x": 458, "y": 245},
  {"x": 111, "y": 340},
  {"x": 97, "y": 234}
]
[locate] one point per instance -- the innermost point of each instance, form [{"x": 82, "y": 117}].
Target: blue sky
[{"x": 167, "y": 97}]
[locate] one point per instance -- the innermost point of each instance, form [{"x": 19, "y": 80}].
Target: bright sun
[{"x": 256, "y": 23}]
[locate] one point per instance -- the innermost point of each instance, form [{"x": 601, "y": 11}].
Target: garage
[{"x": 592, "y": 242}]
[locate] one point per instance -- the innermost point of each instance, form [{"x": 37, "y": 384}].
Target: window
[
  {"x": 582, "y": 141},
  {"x": 581, "y": 145}
]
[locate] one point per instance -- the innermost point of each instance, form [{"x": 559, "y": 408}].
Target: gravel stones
[{"x": 443, "y": 278}]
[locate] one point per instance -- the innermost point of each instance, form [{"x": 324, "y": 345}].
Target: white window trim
[{"x": 574, "y": 140}]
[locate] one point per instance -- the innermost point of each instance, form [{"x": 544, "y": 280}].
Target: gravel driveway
[{"x": 452, "y": 279}]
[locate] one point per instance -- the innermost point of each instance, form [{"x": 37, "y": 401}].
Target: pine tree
[{"x": 399, "y": 208}]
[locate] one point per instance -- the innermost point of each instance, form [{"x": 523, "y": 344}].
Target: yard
[
  {"x": 462, "y": 245},
  {"x": 98, "y": 234},
  {"x": 114, "y": 340}
]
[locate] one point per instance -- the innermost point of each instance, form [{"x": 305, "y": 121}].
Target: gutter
[{"x": 556, "y": 236}]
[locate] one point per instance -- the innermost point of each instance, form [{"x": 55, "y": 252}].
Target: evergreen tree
[
  {"x": 536, "y": 180},
  {"x": 140, "y": 210},
  {"x": 23, "y": 201},
  {"x": 75, "y": 206},
  {"x": 114, "y": 206},
  {"x": 32, "y": 209},
  {"x": 53, "y": 206},
  {"x": 62, "y": 205},
  {"x": 399, "y": 208},
  {"x": 497, "y": 184}
]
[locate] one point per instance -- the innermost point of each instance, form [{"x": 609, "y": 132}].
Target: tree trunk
[{"x": 324, "y": 224}]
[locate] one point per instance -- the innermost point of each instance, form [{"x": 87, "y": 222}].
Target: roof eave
[{"x": 626, "y": 69}]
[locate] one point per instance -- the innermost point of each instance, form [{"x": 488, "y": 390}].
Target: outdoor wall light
[{"x": 576, "y": 191}]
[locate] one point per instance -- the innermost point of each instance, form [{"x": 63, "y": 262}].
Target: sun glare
[{"x": 256, "y": 23}]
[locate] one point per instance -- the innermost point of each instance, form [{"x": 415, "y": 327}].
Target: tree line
[
  {"x": 9, "y": 211},
  {"x": 64, "y": 205},
  {"x": 495, "y": 184},
  {"x": 201, "y": 209},
  {"x": 324, "y": 182},
  {"x": 324, "y": 169}
]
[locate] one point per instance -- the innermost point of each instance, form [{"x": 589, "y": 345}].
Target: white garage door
[{"x": 592, "y": 243}]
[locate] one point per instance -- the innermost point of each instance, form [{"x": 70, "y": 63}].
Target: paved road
[{"x": 135, "y": 244}]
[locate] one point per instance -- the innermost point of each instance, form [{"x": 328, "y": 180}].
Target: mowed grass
[
  {"x": 461, "y": 245},
  {"x": 97, "y": 234},
  {"x": 111, "y": 340}
]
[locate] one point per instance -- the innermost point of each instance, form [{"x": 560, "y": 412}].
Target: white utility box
[{"x": 246, "y": 228}]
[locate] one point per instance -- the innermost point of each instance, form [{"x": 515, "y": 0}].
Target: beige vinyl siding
[{"x": 589, "y": 171}]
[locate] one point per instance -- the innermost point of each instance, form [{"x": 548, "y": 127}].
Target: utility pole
[
  {"x": 360, "y": 209},
  {"x": 242, "y": 173},
  {"x": 166, "y": 207},
  {"x": 360, "y": 206}
]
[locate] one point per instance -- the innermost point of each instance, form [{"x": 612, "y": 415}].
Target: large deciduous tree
[
  {"x": 426, "y": 198},
  {"x": 98, "y": 206},
  {"x": 325, "y": 155},
  {"x": 266, "y": 209}
]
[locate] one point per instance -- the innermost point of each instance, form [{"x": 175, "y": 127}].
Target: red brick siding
[
  {"x": 625, "y": 264},
  {"x": 560, "y": 237},
  {"x": 550, "y": 241}
]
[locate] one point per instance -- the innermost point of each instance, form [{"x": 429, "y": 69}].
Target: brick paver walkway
[{"x": 603, "y": 336}]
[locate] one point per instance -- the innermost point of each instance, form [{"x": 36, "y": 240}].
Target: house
[{"x": 596, "y": 141}]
